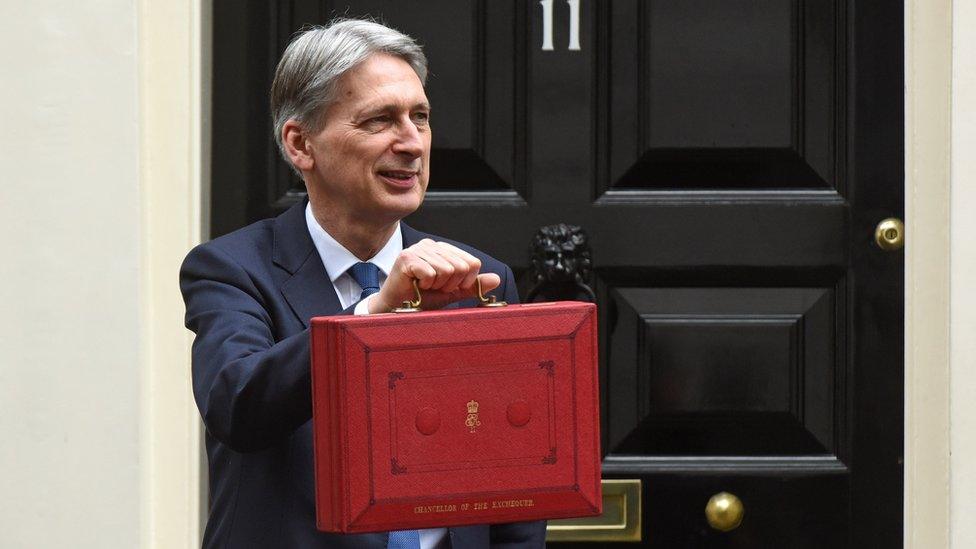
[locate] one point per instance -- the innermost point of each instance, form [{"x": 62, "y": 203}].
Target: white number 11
[{"x": 574, "y": 17}]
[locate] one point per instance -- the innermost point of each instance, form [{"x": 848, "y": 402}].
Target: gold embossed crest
[{"x": 472, "y": 422}]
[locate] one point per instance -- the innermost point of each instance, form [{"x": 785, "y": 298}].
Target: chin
[{"x": 401, "y": 207}]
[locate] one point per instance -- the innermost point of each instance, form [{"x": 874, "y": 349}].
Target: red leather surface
[{"x": 446, "y": 418}]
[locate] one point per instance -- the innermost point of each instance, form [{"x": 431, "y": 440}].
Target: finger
[
  {"x": 420, "y": 268},
  {"x": 437, "y": 299},
  {"x": 461, "y": 264},
  {"x": 440, "y": 272},
  {"x": 398, "y": 286},
  {"x": 450, "y": 267},
  {"x": 469, "y": 267}
]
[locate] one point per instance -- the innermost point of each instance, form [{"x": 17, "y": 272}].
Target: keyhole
[{"x": 891, "y": 234}]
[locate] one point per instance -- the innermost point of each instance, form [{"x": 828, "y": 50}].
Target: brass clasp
[
  {"x": 490, "y": 301},
  {"x": 414, "y": 306},
  {"x": 411, "y": 306}
]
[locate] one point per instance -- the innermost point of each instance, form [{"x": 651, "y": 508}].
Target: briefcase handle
[{"x": 414, "y": 305}]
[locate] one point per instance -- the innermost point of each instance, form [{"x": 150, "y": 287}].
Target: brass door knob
[
  {"x": 890, "y": 234},
  {"x": 724, "y": 511}
]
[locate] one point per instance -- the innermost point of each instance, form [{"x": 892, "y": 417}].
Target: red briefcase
[{"x": 444, "y": 418}]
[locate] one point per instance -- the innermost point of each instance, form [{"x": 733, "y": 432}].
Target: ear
[{"x": 296, "y": 146}]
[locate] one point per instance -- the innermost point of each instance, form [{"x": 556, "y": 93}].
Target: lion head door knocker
[{"x": 562, "y": 263}]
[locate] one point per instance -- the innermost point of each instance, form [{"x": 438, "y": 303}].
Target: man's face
[{"x": 372, "y": 156}]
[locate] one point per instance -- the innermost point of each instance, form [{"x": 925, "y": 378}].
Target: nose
[{"x": 409, "y": 140}]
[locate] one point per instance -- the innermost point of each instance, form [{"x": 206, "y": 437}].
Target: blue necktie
[
  {"x": 367, "y": 276},
  {"x": 404, "y": 539}
]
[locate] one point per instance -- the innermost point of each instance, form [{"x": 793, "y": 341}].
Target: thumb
[{"x": 489, "y": 281}]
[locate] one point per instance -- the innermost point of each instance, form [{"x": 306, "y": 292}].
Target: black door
[{"x": 729, "y": 160}]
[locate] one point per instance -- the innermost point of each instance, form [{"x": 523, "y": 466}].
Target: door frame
[
  {"x": 175, "y": 56},
  {"x": 174, "y": 156},
  {"x": 928, "y": 113}
]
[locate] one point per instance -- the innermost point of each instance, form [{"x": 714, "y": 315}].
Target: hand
[{"x": 445, "y": 274}]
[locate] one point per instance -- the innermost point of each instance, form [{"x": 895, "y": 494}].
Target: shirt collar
[{"x": 337, "y": 259}]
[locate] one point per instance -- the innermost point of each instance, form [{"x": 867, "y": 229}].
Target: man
[{"x": 351, "y": 116}]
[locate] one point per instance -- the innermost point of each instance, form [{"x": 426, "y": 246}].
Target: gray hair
[{"x": 309, "y": 71}]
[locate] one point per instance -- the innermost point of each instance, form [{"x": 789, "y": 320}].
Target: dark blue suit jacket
[{"x": 249, "y": 297}]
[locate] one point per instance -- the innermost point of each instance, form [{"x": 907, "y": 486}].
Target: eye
[
  {"x": 377, "y": 123},
  {"x": 421, "y": 118}
]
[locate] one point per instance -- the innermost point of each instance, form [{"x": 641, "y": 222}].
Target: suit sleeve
[
  {"x": 252, "y": 391},
  {"x": 511, "y": 290}
]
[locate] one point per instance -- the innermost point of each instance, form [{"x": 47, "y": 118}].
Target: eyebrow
[{"x": 371, "y": 110}]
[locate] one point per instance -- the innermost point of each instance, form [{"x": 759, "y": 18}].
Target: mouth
[{"x": 403, "y": 179}]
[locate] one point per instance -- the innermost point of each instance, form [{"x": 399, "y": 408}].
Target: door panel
[
  {"x": 476, "y": 86},
  {"x": 721, "y": 371},
  {"x": 728, "y": 160},
  {"x": 674, "y": 506},
  {"x": 719, "y": 95}
]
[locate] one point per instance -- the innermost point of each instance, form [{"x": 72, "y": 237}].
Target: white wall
[
  {"x": 940, "y": 382},
  {"x": 963, "y": 317},
  {"x": 101, "y": 158},
  {"x": 173, "y": 83},
  {"x": 70, "y": 379},
  {"x": 928, "y": 78},
  {"x": 102, "y": 154}
]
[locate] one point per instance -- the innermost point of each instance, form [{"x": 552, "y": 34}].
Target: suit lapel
[
  {"x": 308, "y": 290},
  {"x": 411, "y": 236}
]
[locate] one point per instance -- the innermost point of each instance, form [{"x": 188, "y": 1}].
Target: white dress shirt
[{"x": 337, "y": 260}]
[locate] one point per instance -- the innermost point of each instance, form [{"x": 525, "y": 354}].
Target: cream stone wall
[
  {"x": 70, "y": 265},
  {"x": 174, "y": 147},
  {"x": 963, "y": 270},
  {"x": 928, "y": 75},
  {"x": 940, "y": 381},
  {"x": 103, "y": 107},
  {"x": 102, "y": 155}
]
